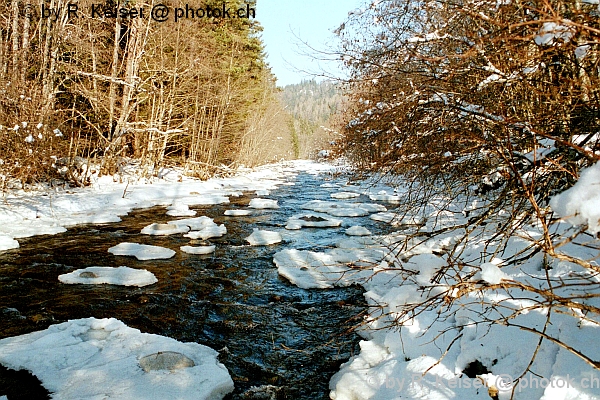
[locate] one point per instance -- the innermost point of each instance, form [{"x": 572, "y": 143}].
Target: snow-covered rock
[
  {"x": 263, "y": 238},
  {"x": 344, "y": 195},
  {"x": 141, "y": 251},
  {"x": 123, "y": 276},
  {"x": 164, "y": 229},
  {"x": 357, "y": 231},
  {"x": 311, "y": 221},
  {"x": 237, "y": 213},
  {"x": 105, "y": 359},
  {"x": 198, "y": 249},
  {"x": 208, "y": 232},
  {"x": 263, "y": 203}
]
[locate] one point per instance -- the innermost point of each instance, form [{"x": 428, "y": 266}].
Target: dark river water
[{"x": 270, "y": 334}]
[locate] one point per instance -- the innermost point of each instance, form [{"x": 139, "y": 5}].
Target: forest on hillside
[{"x": 87, "y": 92}]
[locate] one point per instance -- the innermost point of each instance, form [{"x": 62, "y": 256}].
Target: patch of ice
[
  {"x": 262, "y": 192},
  {"x": 263, "y": 203},
  {"x": 263, "y": 238},
  {"x": 208, "y": 232},
  {"x": 237, "y": 213},
  {"x": 123, "y": 276},
  {"x": 344, "y": 195},
  {"x": 100, "y": 359},
  {"x": 397, "y": 218},
  {"x": 358, "y": 231},
  {"x": 343, "y": 209},
  {"x": 141, "y": 251},
  {"x": 194, "y": 223},
  {"x": 198, "y": 249},
  {"x": 164, "y": 229}
]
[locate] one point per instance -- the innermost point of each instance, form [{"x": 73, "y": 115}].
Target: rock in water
[{"x": 170, "y": 360}]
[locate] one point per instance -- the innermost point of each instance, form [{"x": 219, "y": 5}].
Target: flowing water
[{"x": 269, "y": 333}]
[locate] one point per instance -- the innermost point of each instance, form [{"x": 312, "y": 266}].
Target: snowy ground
[{"x": 427, "y": 356}]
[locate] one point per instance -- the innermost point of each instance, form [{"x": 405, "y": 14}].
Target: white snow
[
  {"x": 237, "y": 213},
  {"x": 194, "y": 223},
  {"x": 100, "y": 359},
  {"x": 198, "y": 249},
  {"x": 344, "y": 195},
  {"x": 141, "y": 251},
  {"x": 263, "y": 203},
  {"x": 343, "y": 209},
  {"x": 123, "y": 276},
  {"x": 551, "y": 31},
  {"x": 208, "y": 232},
  {"x": 308, "y": 220},
  {"x": 164, "y": 229},
  {"x": 358, "y": 231},
  {"x": 491, "y": 273},
  {"x": 6, "y": 242},
  {"x": 580, "y": 204},
  {"x": 178, "y": 209},
  {"x": 263, "y": 238}
]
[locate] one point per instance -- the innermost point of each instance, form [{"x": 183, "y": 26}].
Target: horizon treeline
[{"x": 196, "y": 92}]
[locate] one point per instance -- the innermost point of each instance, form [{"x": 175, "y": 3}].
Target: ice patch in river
[
  {"x": 100, "y": 359},
  {"x": 123, "y": 276},
  {"x": 263, "y": 238},
  {"x": 263, "y": 203},
  {"x": 357, "y": 231},
  {"x": 141, "y": 251},
  {"x": 237, "y": 213},
  {"x": 198, "y": 249},
  {"x": 300, "y": 221},
  {"x": 164, "y": 229},
  {"x": 344, "y": 195},
  {"x": 208, "y": 232}
]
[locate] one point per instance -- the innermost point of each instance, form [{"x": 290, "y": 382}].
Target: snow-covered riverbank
[{"x": 440, "y": 353}]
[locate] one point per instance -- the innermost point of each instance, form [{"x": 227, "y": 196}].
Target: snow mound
[
  {"x": 198, "y": 249},
  {"x": 141, "y": 251},
  {"x": 491, "y": 273},
  {"x": 358, "y": 231},
  {"x": 237, "y": 213},
  {"x": 263, "y": 238},
  {"x": 344, "y": 195},
  {"x": 105, "y": 359},
  {"x": 6, "y": 243},
  {"x": 178, "y": 209},
  {"x": 263, "y": 203},
  {"x": 311, "y": 221},
  {"x": 164, "y": 229},
  {"x": 123, "y": 276},
  {"x": 208, "y": 232},
  {"x": 581, "y": 203},
  {"x": 194, "y": 223}
]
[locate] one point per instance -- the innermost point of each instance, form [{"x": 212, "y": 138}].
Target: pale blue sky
[{"x": 312, "y": 21}]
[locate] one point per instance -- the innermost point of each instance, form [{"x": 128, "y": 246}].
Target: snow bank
[
  {"x": 141, "y": 251},
  {"x": 100, "y": 359},
  {"x": 6, "y": 242},
  {"x": 123, "y": 276},
  {"x": 581, "y": 203},
  {"x": 263, "y": 238}
]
